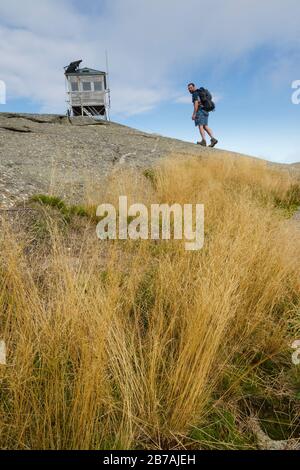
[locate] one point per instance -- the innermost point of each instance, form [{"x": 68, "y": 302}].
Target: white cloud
[
  {"x": 149, "y": 44},
  {"x": 137, "y": 101},
  {"x": 183, "y": 99},
  {"x": 217, "y": 97}
]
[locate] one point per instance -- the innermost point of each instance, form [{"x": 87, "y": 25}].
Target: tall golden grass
[{"x": 122, "y": 344}]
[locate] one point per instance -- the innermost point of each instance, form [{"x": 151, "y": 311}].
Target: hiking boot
[
  {"x": 203, "y": 143},
  {"x": 213, "y": 142}
]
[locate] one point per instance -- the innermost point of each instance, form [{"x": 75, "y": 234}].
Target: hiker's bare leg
[
  {"x": 209, "y": 131},
  {"x": 202, "y": 132}
]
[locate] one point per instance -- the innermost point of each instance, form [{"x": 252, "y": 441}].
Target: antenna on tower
[{"x": 108, "y": 88}]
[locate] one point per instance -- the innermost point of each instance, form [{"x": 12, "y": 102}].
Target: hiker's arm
[{"x": 196, "y": 107}]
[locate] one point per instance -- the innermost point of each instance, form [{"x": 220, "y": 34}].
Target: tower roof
[{"x": 74, "y": 70}]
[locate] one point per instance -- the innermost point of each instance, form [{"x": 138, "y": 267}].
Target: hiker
[{"x": 203, "y": 104}]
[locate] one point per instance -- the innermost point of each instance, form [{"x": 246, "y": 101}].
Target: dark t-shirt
[{"x": 196, "y": 97}]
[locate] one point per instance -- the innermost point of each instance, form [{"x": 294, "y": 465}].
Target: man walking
[{"x": 200, "y": 116}]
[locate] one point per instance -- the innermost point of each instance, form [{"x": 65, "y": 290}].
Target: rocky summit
[{"x": 59, "y": 155}]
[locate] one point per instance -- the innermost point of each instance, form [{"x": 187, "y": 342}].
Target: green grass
[
  {"x": 150, "y": 174},
  {"x": 222, "y": 431},
  {"x": 67, "y": 211},
  {"x": 289, "y": 203}
]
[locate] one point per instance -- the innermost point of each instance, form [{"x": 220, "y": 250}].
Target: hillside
[
  {"x": 49, "y": 153},
  {"x": 141, "y": 344}
]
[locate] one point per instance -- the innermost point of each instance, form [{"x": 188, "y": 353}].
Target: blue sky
[{"x": 246, "y": 52}]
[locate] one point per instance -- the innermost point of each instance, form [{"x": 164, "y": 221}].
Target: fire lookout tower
[{"x": 87, "y": 91}]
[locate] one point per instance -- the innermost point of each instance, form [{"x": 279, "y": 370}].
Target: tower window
[
  {"x": 98, "y": 86},
  {"x": 86, "y": 86},
  {"x": 74, "y": 86}
]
